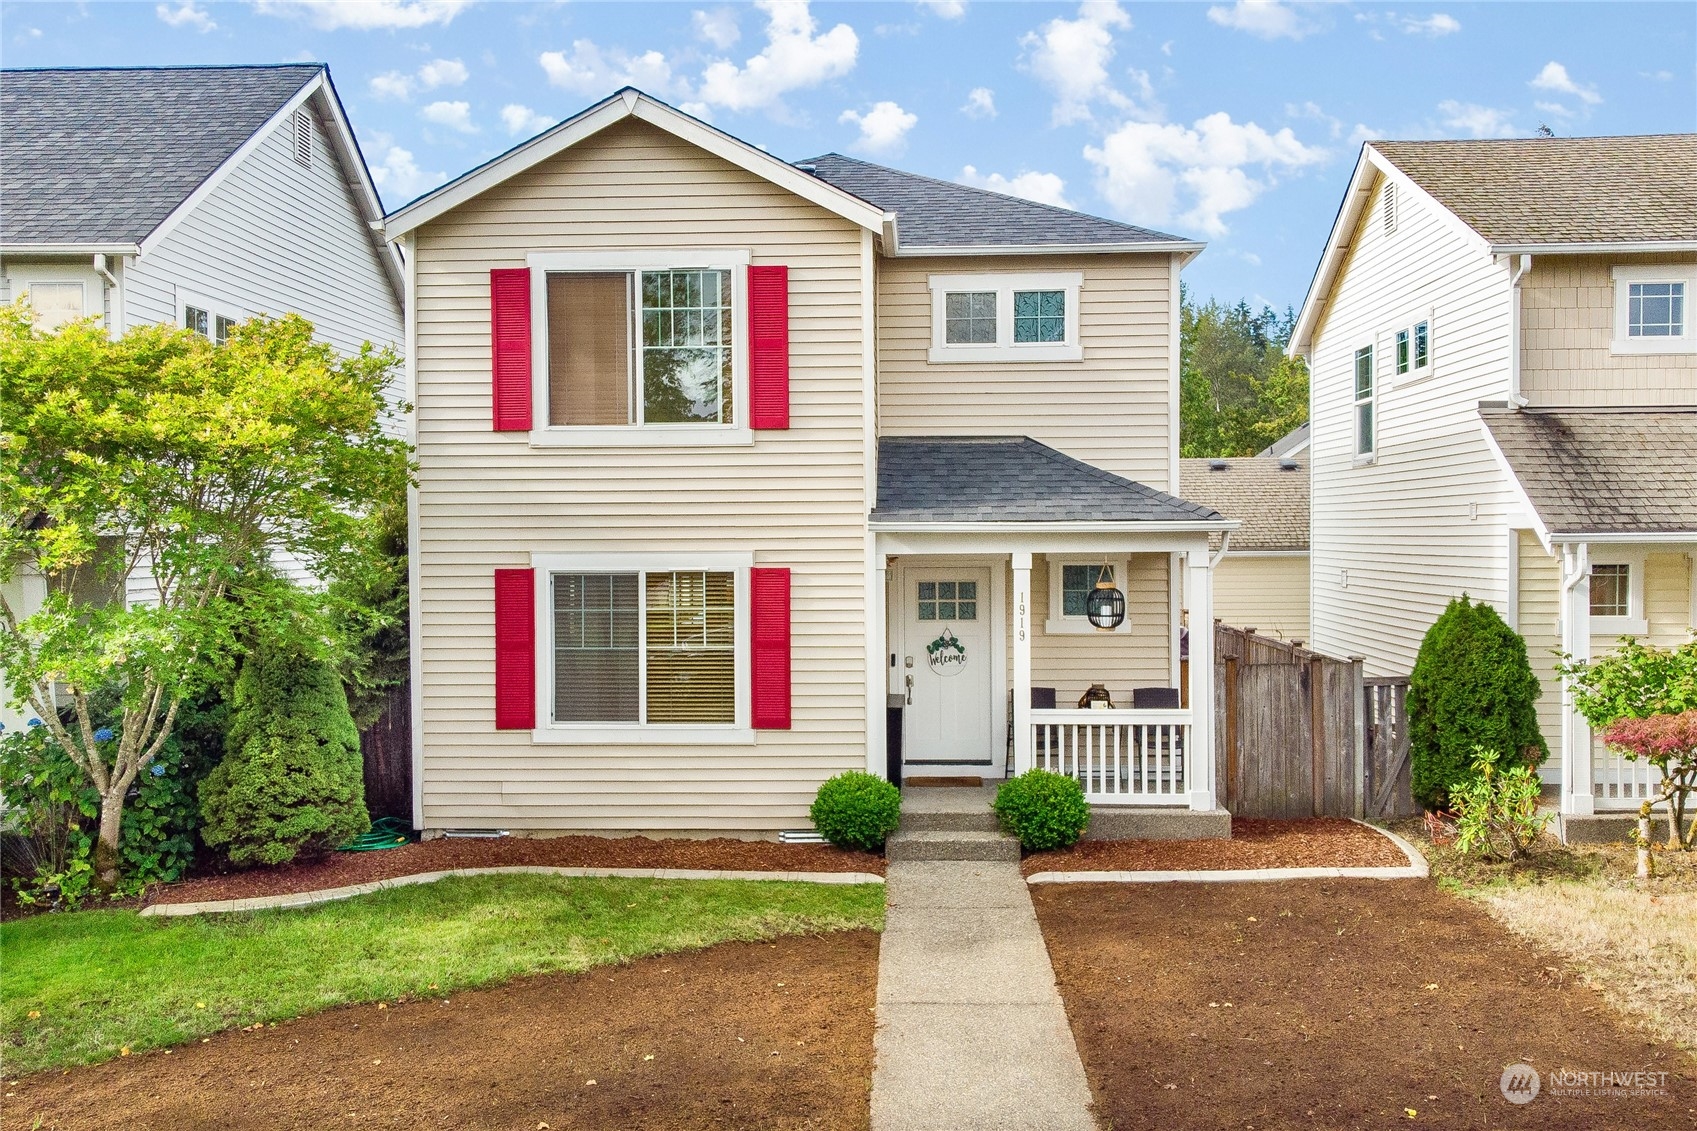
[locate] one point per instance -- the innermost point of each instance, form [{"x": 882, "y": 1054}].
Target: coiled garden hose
[{"x": 387, "y": 832}]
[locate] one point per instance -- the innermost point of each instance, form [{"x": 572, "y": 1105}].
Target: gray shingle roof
[
  {"x": 1010, "y": 479},
  {"x": 103, "y": 155},
  {"x": 1561, "y": 189},
  {"x": 940, "y": 214},
  {"x": 1294, "y": 442},
  {"x": 1603, "y": 471},
  {"x": 1270, "y": 502}
]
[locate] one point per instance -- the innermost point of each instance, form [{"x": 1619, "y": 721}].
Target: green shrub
[
  {"x": 857, "y": 810},
  {"x": 1471, "y": 687},
  {"x": 50, "y": 810},
  {"x": 1497, "y": 809},
  {"x": 1043, "y": 809},
  {"x": 291, "y": 781}
]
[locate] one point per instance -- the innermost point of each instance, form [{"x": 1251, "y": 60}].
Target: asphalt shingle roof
[
  {"x": 1010, "y": 479},
  {"x": 1561, "y": 189},
  {"x": 940, "y": 214},
  {"x": 1603, "y": 471},
  {"x": 103, "y": 155},
  {"x": 1270, "y": 502}
]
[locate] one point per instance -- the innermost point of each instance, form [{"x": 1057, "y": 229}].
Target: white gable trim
[
  {"x": 1531, "y": 514},
  {"x": 631, "y": 103}
]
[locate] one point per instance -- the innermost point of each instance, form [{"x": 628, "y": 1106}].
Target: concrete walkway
[{"x": 971, "y": 1032}]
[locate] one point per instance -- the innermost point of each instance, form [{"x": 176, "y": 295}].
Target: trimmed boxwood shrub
[
  {"x": 1471, "y": 687},
  {"x": 1043, "y": 809},
  {"x": 292, "y": 780},
  {"x": 857, "y": 810}
]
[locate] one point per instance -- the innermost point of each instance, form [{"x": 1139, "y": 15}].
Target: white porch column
[
  {"x": 1576, "y": 795},
  {"x": 1199, "y": 600},
  {"x": 1021, "y": 661},
  {"x": 877, "y": 663}
]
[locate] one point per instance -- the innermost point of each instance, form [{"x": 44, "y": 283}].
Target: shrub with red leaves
[{"x": 1669, "y": 742}]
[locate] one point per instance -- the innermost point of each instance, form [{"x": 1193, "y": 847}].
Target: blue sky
[{"x": 1237, "y": 123}]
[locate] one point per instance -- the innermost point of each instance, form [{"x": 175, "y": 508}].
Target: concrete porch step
[
  {"x": 950, "y": 845},
  {"x": 979, "y": 820}
]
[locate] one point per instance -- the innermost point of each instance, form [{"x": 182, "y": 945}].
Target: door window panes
[{"x": 948, "y": 600}]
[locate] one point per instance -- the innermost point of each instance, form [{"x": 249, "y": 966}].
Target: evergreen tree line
[{"x": 1238, "y": 392}]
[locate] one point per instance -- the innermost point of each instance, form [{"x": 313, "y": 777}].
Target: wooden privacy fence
[
  {"x": 1299, "y": 734},
  {"x": 387, "y": 747}
]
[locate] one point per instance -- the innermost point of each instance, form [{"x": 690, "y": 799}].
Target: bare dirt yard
[
  {"x": 740, "y": 1035},
  {"x": 1308, "y": 842},
  {"x": 1333, "y": 1004}
]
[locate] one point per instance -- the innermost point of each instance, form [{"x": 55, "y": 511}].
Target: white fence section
[
  {"x": 1119, "y": 757},
  {"x": 1621, "y": 783}
]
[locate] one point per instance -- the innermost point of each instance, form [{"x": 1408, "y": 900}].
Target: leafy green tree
[
  {"x": 1238, "y": 392},
  {"x": 160, "y": 460},
  {"x": 370, "y": 606}
]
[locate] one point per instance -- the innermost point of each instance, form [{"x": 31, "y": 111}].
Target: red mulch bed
[
  {"x": 740, "y": 1035},
  {"x": 341, "y": 869},
  {"x": 1332, "y": 1004},
  {"x": 1309, "y": 842}
]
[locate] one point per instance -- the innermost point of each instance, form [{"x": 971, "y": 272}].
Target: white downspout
[
  {"x": 1576, "y": 785},
  {"x": 1522, "y": 264},
  {"x": 1225, "y": 544},
  {"x": 112, "y": 300}
]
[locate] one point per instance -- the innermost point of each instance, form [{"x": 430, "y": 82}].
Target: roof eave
[
  {"x": 70, "y": 249},
  {"x": 1594, "y": 247},
  {"x": 1331, "y": 257},
  {"x": 1558, "y": 537},
  {"x": 991, "y": 526},
  {"x": 1190, "y": 249}
]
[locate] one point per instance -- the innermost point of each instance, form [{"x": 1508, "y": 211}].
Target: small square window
[
  {"x": 927, "y": 590},
  {"x": 1076, "y": 583},
  {"x": 1655, "y": 310},
  {"x": 970, "y": 318},
  {"x": 1611, "y": 590},
  {"x": 1039, "y": 316}
]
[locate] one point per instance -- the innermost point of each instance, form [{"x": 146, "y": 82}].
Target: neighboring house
[
  {"x": 1504, "y": 375},
  {"x": 194, "y": 196},
  {"x": 717, "y": 454},
  {"x": 1262, "y": 580},
  {"x": 1292, "y": 443}
]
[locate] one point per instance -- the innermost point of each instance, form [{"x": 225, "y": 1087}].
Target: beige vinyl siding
[
  {"x": 1567, "y": 320},
  {"x": 794, "y": 498},
  {"x": 1110, "y": 409},
  {"x": 1668, "y": 608},
  {"x": 1268, "y": 593},
  {"x": 1403, "y": 527},
  {"x": 1538, "y": 619},
  {"x": 1071, "y": 662}
]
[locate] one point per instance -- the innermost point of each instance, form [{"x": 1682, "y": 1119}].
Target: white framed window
[
  {"x": 1653, "y": 309},
  {"x": 56, "y": 304},
  {"x": 649, "y": 648},
  {"x": 206, "y": 316},
  {"x": 1070, "y": 581},
  {"x": 634, "y": 348},
  {"x": 1411, "y": 352},
  {"x": 1005, "y": 317},
  {"x": 1365, "y": 405},
  {"x": 1617, "y": 595}
]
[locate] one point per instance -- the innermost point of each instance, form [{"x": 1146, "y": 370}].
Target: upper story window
[
  {"x": 1365, "y": 424},
  {"x": 1013, "y": 317},
  {"x": 1414, "y": 350},
  {"x": 56, "y": 304},
  {"x": 206, "y": 317},
  {"x": 641, "y": 347},
  {"x": 1653, "y": 311}
]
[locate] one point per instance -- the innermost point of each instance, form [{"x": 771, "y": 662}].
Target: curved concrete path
[{"x": 971, "y": 1032}]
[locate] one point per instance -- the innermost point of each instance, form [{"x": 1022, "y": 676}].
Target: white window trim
[
  {"x": 1005, "y": 349},
  {"x": 1635, "y": 623},
  {"x": 214, "y": 309},
  {"x": 1358, "y": 457},
  {"x": 544, "y": 435},
  {"x": 1058, "y": 623},
  {"x": 1620, "y": 343},
  {"x": 739, "y": 733},
  {"x": 1415, "y": 374},
  {"x": 28, "y": 290}
]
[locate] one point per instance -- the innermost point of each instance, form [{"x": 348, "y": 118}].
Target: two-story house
[
  {"x": 1504, "y": 404},
  {"x": 720, "y": 456}
]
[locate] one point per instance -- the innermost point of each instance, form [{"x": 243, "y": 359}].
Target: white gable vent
[
  {"x": 1387, "y": 209},
  {"x": 300, "y": 129}
]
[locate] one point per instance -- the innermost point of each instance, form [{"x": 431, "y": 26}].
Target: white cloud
[
  {"x": 397, "y": 173},
  {"x": 1044, "y": 188},
  {"x": 1434, "y": 25},
  {"x": 794, "y": 58},
  {"x": 1554, "y": 77},
  {"x": 1268, "y": 19},
  {"x": 883, "y": 128},
  {"x": 186, "y": 14},
  {"x": 1554, "y": 108},
  {"x": 523, "y": 120},
  {"x": 442, "y": 72},
  {"x": 1071, "y": 58},
  {"x": 392, "y": 84},
  {"x": 365, "y": 15},
  {"x": 980, "y": 103},
  {"x": 1150, "y": 171},
  {"x": 718, "y": 27},
  {"x": 591, "y": 70},
  {"x": 454, "y": 115},
  {"x": 945, "y": 9},
  {"x": 1656, "y": 76},
  {"x": 1476, "y": 120},
  {"x": 1312, "y": 110}
]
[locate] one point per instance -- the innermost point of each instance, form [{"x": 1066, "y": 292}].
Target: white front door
[{"x": 947, "y": 646}]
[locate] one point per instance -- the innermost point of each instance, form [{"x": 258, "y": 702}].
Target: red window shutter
[
  {"x": 509, "y": 340},
  {"x": 769, "y": 347},
  {"x": 515, "y": 649},
  {"x": 770, "y": 671}
]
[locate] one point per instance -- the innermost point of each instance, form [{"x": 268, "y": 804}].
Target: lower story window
[
  {"x": 1611, "y": 590},
  {"x": 645, "y": 647}
]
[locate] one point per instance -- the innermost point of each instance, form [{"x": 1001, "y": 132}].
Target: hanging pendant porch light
[{"x": 1104, "y": 606}]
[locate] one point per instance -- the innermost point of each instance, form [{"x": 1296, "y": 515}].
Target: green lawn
[{"x": 77, "y": 988}]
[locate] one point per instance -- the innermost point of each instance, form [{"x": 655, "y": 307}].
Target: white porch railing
[
  {"x": 1621, "y": 783},
  {"x": 1119, "y": 757}
]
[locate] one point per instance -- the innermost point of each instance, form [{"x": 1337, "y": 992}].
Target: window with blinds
[{"x": 655, "y": 647}]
